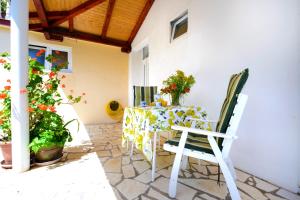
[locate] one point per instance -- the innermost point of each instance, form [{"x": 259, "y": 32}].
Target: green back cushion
[
  {"x": 144, "y": 93},
  {"x": 236, "y": 84}
]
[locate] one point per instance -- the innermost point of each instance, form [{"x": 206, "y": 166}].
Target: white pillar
[{"x": 19, "y": 72}]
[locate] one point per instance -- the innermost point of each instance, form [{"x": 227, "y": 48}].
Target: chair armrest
[
  {"x": 202, "y": 120},
  {"x": 203, "y": 132}
]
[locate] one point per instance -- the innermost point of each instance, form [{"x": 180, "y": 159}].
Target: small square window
[
  {"x": 60, "y": 59},
  {"x": 33, "y": 50},
  {"x": 179, "y": 26}
]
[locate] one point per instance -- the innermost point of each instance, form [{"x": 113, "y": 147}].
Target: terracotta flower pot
[
  {"x": 48, "y": 154},
  {"x": 6, "y": 152}
]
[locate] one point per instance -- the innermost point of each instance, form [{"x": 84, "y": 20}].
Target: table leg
[{"x": 154, "y": 156}]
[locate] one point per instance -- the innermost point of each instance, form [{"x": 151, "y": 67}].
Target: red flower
[
  {"x": 2, "y": 61},
  {"x": 63, "y": 76},
  {"x": 52, "y": 108},
  {"x": 3, "y": 96},
  {"x": 52, "y": 74},
  {"x": 23, "y": 91},
  {"x": 30, "y": 109},
  {"x": 42, "y": 107},
  {"x": 8, "y": 80},
  {"x": 186, "y": 90},
  {"x": 63, "y": 86},
  {"x": 40, "y": 52},
  {"x": 7, "y": 87}
]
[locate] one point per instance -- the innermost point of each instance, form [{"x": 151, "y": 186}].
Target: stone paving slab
[{"x": 102, "y": 169}]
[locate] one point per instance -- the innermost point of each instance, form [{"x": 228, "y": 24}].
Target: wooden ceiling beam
[
  {"x": 140, "y": 20},
  {"x": 109, "y": 11},
  {"x": 86, "y": 36},
  {"x": 50, "y": 15},
  {"x": 5, "y": 22},
  {"x": 77, "y": 11}
]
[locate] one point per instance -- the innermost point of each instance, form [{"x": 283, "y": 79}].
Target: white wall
[{"x": 223, "y": 38}]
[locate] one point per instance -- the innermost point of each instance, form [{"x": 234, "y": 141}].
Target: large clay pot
[
  {"x": 7, "y": 155},
  {"x": 49, "y": 154}
]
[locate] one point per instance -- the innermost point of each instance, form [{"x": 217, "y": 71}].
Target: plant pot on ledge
[
  {"x": 3, "y": 15},
  {"x": 7, "y": 155},
  {"x": 48, "y": 155}
]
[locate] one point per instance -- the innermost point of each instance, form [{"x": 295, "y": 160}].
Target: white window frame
[
  {"x": 179, "y": 19},
  {"x": 49, "y": 48},
  {"x": 60, "y": 48}
]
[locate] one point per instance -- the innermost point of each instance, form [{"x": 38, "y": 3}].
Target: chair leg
[
  {"x": 234, "y": 193},
  {"x": 184, "y": 162},
  {"x": 154, "y": 157},
  {"x": 231, "y": 168},
  {"x": 131, "y": 150},
  {"x": 176, "y": 165}
]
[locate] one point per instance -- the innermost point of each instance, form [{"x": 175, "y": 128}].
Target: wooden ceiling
[{"x": 111, "y": 22}]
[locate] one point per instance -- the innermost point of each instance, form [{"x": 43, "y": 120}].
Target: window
[
  {"x": 62, "y": 57},
  {"x": 179, "y": 26}
]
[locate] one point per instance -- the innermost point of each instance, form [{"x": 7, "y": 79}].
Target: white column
[{"x": 19, "y": 54}]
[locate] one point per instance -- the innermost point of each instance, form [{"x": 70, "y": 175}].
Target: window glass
[
  {"x": 35, "y": 53},
  {"x": 179, "y": 26},
  {"x": 60, "y": 59}
]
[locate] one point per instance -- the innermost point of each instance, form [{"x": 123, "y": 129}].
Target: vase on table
[{"x": 175, "y": 99}]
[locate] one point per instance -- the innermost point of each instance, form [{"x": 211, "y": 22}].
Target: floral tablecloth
[{"x": 136, "y": 128}]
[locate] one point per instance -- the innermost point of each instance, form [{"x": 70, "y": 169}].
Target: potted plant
[
  {"x": 3, "y": 4},
  {"x": 177, "y": 85},
  {"x": 48, "y": 131}
]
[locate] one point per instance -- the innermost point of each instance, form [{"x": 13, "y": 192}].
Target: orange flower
[
  {"x": 52, "y": 74},
  {"x": 33, "y": 101},
  {"x": 173, "y": 86},
  {"x": 3, "y": 96},
  {"x": 33, "y": 59},
  {"x": 7, "y": 87},
  {"x": 30, "y": 109},
  {"x": 40, "y": 52},
  {"x": 2, "y": 61},
  {"x": 49, "y": 86},
  {"x": 42, "y": 107},
  {"x": 63, "y": 86},
  {"x": 1, "y": 121},
  {"x": 52, "y": 108},
  {"x": 8, "y": 80},
  {"x": 34, "y": 71},
  {"x": 23, "y": 91}
]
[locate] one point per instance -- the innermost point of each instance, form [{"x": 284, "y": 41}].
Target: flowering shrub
[
  {"x": 177, "y": 85},
  {"x": 46, "y": 127}
]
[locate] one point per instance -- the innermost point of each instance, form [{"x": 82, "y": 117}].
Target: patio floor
[{"x": 101, "y": 169}]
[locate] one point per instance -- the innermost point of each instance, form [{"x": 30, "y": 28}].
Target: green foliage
[
  {"x": 4, "y": 4},
  {"x": 46, "y": 127}
]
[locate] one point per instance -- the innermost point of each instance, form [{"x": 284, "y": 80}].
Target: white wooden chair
[{"x": 213, "y": 146}]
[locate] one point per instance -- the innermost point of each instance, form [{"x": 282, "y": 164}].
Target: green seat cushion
[
  {"x": 144, "y": 93},
  {"x": 194, "y": 142},
  {"x": 236, "y": 84}
]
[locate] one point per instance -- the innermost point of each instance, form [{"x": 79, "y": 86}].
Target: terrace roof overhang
[{"x": 110, "y": 22}]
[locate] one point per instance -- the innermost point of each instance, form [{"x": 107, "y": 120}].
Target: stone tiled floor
[{"x": 101, "y": 169}]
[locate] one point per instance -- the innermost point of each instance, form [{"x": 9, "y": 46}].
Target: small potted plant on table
[{"x": 4, "y": 5}]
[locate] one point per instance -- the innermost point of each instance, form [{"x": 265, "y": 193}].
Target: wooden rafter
[
  {"x": 53, "y": 15},
  {"x": 5, "y": 22},
  {"x": 71, "y": 25},
  {"x": 44, "y": 21},
  {"x": 140, "y": 20},
  {"x": 77, "y": 11},
  {"x": 109, "y": 11}
]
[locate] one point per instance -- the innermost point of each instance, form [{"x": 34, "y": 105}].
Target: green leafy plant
[
  {"x": 177, "y": 85},
  {"x": 46, "y": 127},
  {"x": 4, "y": 5}
]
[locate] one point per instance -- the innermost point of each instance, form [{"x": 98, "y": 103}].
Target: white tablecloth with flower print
[{"x": 136, "y": 128}]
